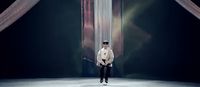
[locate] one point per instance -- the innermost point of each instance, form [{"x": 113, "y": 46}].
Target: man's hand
[
  {"x": 103, "y": 64},
  {"x": 107, "y": 63}
]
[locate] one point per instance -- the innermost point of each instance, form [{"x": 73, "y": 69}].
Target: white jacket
[{"x": 109, "y": 57}]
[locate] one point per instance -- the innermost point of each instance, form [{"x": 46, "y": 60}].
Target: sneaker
[
  {"x": 101, "y": 81},
  {"x": 106, "y": 81}
]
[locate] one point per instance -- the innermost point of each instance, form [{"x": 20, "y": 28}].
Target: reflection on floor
[{"x": 92, "y": 82}]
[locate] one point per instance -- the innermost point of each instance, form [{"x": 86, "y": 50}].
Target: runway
[{"x": 92, "y": 82}]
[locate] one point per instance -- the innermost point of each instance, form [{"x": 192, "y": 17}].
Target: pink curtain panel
[{"x": 16, "y": 10}]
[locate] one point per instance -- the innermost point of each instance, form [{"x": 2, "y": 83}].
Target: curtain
[
  {"x": 15, "y": 11},
  {"x": 102, "y": 22},
  {"x": 190, "y": 6}
]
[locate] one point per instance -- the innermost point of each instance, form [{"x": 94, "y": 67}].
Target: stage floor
[{"x": 92, "y": 82}]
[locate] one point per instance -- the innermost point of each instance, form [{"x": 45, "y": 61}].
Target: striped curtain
[
  {"x": 102, "y": 22},
  {"x": 15, "y": 11}
]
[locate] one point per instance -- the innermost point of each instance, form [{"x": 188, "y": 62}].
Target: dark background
[{"x": 46, "y": 42}]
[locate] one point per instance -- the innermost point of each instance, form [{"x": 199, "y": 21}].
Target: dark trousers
[{"x": 105, "y": 71}]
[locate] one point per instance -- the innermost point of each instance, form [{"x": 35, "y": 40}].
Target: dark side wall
[
  {"x": 43, "y": 43},
  {"x": 173, "y": 51}
]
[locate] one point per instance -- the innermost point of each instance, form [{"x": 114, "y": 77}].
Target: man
[{"x": 105, "y": 58}]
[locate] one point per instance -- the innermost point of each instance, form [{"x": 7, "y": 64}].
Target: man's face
[{"x": 105, "y": 45}]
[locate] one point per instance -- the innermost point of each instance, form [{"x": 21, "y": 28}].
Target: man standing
[{"x": 105, "y": 58}]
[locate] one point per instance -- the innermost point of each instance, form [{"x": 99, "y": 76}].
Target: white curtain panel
[
  {"x": 190, "y": 6},
  {"x": 102, "y": 22},
  {"x": 15, "y": 11}
]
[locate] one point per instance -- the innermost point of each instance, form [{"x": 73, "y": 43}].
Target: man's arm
[
  {"x": 111, "y": 55},
  {"x": 99, "y": 58}
]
